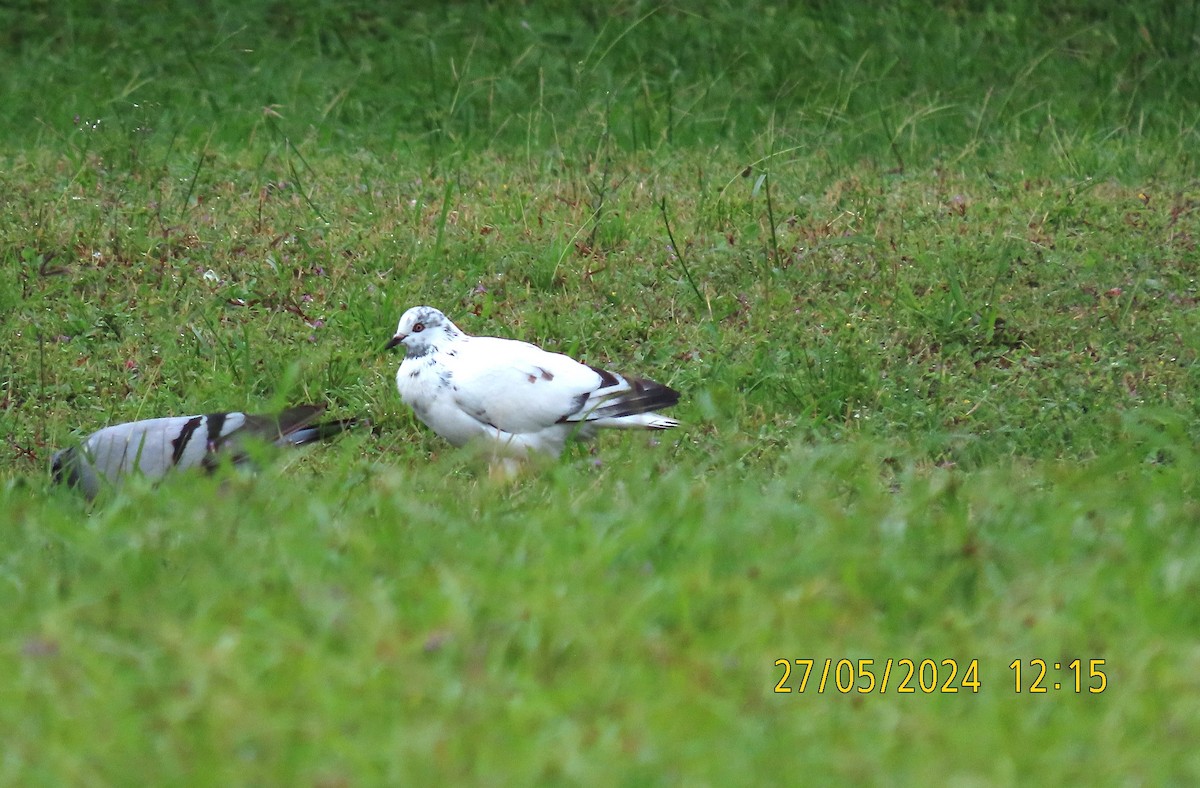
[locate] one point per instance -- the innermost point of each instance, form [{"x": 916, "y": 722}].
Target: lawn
[{"x": 926, "y": 277}]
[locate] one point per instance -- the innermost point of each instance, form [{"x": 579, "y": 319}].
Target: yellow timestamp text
[
  {"x": 1038, "y": 677},
  {"x": 865, "y": 676}
]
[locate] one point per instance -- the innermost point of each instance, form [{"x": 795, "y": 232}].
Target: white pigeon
[
  {"x": 153, "y": 447},
  {"x": 515, "y": 395}
]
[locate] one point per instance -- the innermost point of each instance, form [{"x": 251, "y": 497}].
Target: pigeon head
[
  {"x": 423, "y": 330},
  {"x": 62, "y": 466},
  {"x": 71, "y": 467}
]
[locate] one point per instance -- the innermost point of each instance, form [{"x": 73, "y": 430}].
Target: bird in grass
[
  {"x": 152, "y": 447},
  {"x": 516, "y": 396}
]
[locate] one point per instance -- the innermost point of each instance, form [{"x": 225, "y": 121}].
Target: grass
[{"x": 927, "y": 282}]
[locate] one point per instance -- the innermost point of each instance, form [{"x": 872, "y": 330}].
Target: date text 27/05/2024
[{"x": 929, "y": 676}]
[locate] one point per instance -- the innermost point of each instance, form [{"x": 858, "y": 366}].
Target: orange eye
[{"x": 418, "y": 328}]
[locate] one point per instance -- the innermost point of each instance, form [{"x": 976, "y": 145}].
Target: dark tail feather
[
  {"x": 290, "y": 420},
  {"x": 319, "y": 432},
  {"x": 644, "y": 396},
  {"x": 294, "y": 426}
]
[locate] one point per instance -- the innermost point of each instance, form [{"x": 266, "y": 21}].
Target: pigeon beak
[{"x": 396, "y": 340}]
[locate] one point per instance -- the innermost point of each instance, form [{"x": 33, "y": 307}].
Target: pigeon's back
[{"x": 153, "y": 446}]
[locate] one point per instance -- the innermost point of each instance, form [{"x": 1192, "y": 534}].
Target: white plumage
[
  {"x": 152, "y": 447},
  {"x": 513, "y": 394}
]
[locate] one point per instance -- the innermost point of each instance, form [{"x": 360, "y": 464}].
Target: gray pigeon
[{"x": 153, "y": 447}]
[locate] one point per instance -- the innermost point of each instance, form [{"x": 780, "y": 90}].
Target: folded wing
[
  {"x": 517, "y": 387},
  {"x": 520, "y": 388}
]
